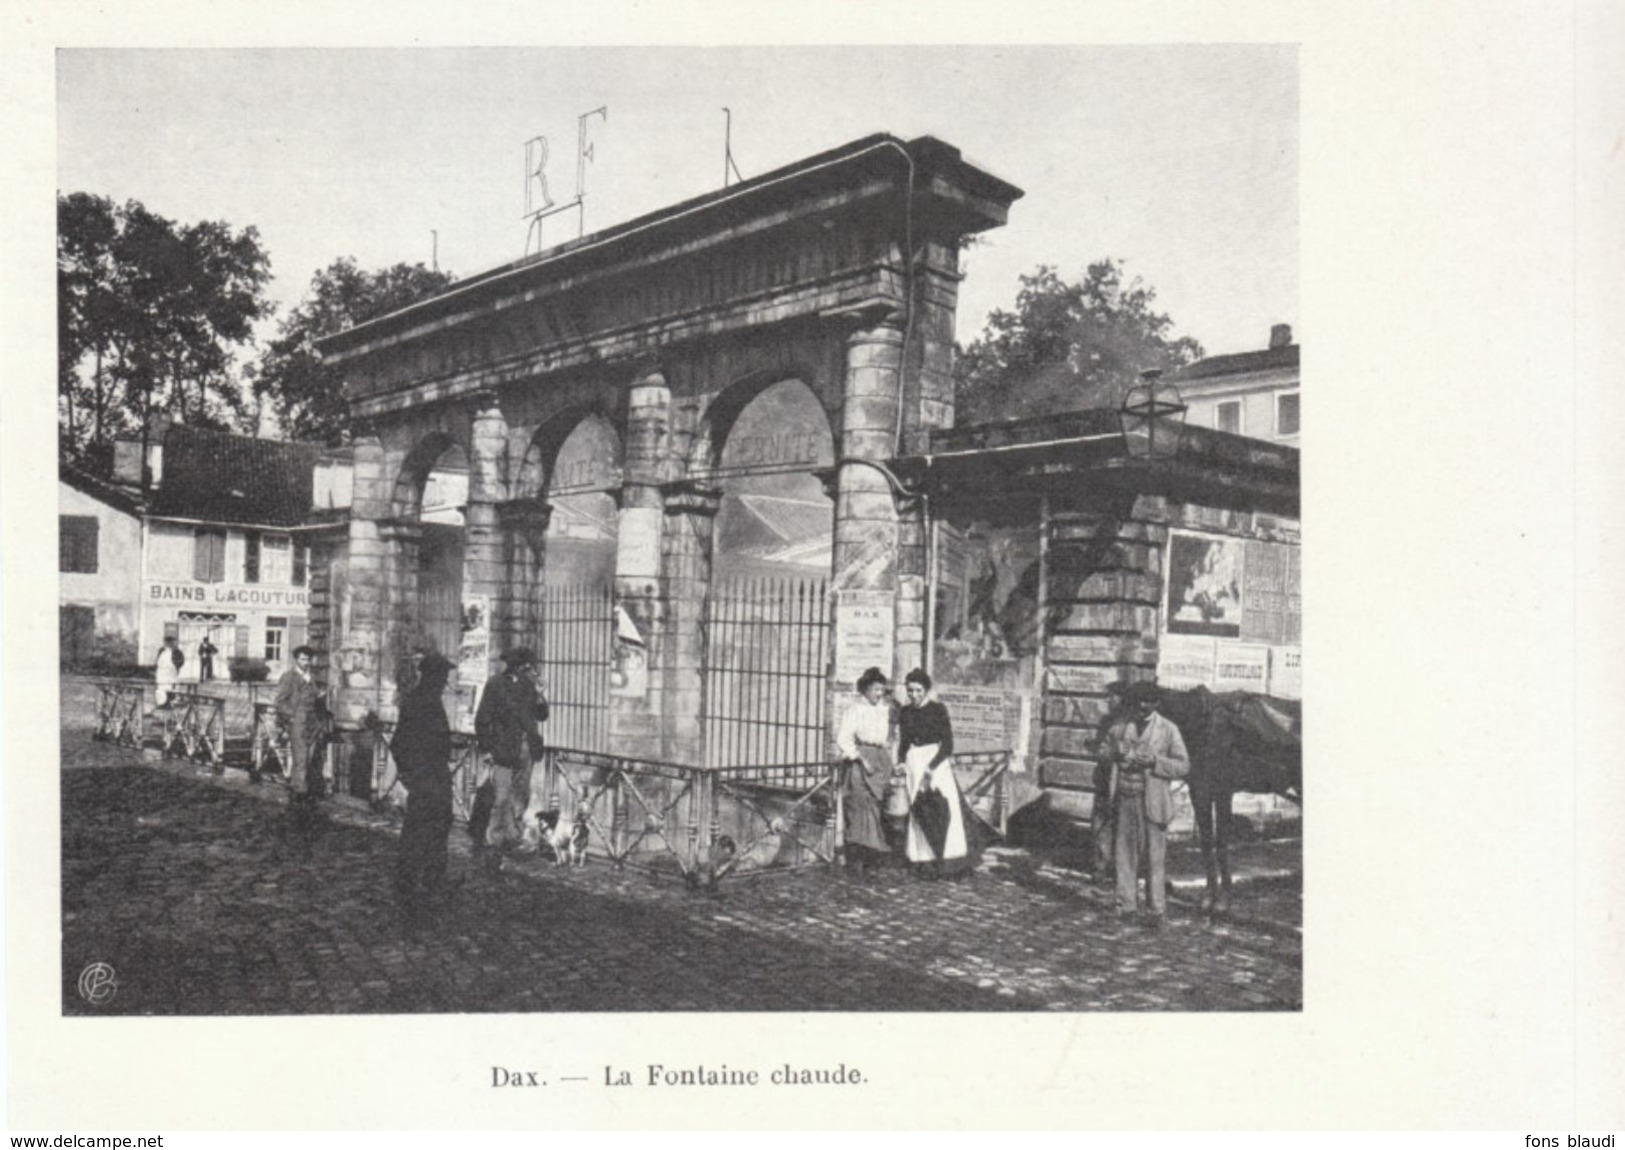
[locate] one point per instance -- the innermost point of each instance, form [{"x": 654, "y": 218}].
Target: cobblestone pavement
[{"x": 184, "y": 885}]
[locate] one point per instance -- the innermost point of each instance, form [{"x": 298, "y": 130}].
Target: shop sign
[{"x": 166, "y": 592}]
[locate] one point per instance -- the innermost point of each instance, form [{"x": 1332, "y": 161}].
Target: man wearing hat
[
  {"x": 1149, "y": 754},
  {"x": 422, "y": 750},
  {"x": 507, "y": 726}
]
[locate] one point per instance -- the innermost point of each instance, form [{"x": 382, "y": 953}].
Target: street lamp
[{"x": 1152, "y": 416}]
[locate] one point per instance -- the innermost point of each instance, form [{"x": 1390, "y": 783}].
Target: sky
[{"x": 1182, "y": 161}]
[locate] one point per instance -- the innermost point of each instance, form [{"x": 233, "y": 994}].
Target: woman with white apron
[{"x": 936, "y": 841}]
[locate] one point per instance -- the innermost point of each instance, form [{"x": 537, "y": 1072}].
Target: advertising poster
[
  {"x": 473, "y": 657},
  {"x": 1185, "y": 662},
  {"x": 864, "y": 623},
  {"x": 1204, "y": 585},
  {"x": 629, "y": 676},
  {"x": 1241, "y": 667}
]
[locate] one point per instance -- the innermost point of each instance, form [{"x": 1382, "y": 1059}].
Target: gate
[
  {"x": 766, "y": 661},
  {"x": 575, "y": 650}
]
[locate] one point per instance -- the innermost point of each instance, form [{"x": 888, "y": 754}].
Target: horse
[{"x": 1238, "y": 742}]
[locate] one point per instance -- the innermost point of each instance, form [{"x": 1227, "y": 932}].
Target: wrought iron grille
[
  {"x": 767, "y": 654},
  {"x": 575, "y": 648}
]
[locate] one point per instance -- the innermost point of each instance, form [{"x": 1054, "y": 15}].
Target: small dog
[{"x": 567, "y": 840}]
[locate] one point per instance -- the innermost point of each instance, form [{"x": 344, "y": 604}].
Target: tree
[
  {"x": 307, "y": 395},
  {"x": 1066, "y": 346},
  {"x": 149, "y": 314}
]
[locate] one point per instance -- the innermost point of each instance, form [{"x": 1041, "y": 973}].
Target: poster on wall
[
  {"x": 986, "y": 607},
  {"x": 474, "y": 645},
  {"x": 1185, "y": 662},
  {"x": 629, "y": 673},
  {"x": 1204, "y": 585},
  {"x": 864, "y": 625},
  {"x": 1241, "y": 667},
  {"x": 1286, "y": 672}
]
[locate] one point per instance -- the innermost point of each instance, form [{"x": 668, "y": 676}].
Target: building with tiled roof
[
  {"x": 219, "y": 562},
  {"x": 1252, "y": 393},
  {"x": 214, "y": 477}
]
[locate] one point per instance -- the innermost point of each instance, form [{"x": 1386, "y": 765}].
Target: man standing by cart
[
  {"x": 507, "y": 724},
  {"x": 1148, "y": 753}
]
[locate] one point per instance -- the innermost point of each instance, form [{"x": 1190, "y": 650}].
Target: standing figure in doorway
[
  {"x": 1148, "y": 753},
  {"x": 422, "y": 751},
  {"x": 507, "y": 724},
  {"x": 935, "y": 841},
  {"x": 864, "y": 743},
  {"x": 206, "y": 651}
]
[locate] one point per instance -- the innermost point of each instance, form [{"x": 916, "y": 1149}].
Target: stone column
[
  {"x": 358, "y": 606},
  {"x": 930, "y": 394},
  {"x": 691, "y": 512},
  {"x": 400, "y": 540},
  {"x": 484, "y": 546},
  {"x": 635, "y": 722},
  {"x": 1104, "y": 594},
  {"x": 524, "y": 526},
  {"x": 865, "y": 569}
]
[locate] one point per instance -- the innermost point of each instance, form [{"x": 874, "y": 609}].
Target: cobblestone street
[{"x": 180, "y": 882}]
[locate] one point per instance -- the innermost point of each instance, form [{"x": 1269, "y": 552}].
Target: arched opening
[
  {"x": 574, "y": 464},
  {"x": 767, "y": 628},
  {"x": 581, "y": 531},
  {"x": 775, "y": 522},
  {"x": 441, "y": 509}
]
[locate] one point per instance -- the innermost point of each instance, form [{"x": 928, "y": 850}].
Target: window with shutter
[
  {"x": 78, "y": 537},
  {"x": 1286, "y": 413},
  {"x": 276, "y": 638},
  {"x": 209, "y": 555},
  {"x": 276, "y": 560},
  {"x": 251, "y": 557},
  {"x": 301, "y": 564}
]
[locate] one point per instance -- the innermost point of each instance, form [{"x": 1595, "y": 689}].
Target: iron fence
[
  {"x": 766, "y": 663},
  {"x": 575, "y": 648}
]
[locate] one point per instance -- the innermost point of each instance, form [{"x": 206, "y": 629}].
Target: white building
[
  {"x": 1252, "y": 393},
  {"x": 220, "y": 558}
]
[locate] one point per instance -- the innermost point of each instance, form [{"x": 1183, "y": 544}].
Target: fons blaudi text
[
  {"x": 656, "y": 1074},
  {"x": 1555, "y": 1142}
]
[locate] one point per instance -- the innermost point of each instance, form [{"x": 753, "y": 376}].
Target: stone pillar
[
  {"x": 635, "y": 722},
  {"x": 358, "y": 602},
  {"x": 865, "y": 573},
  {"x": 1104, "y": 594},
  {"x": 930, "y": 373},
  {"x": 524, "y": 526},
  {"x": 485, "y": 548},
  {"x": 401, "y": 541},
  {"x": 691, "y": 513}
]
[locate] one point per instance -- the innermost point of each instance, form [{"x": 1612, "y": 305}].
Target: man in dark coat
[
  {"x": 507, "y": 726},
  {"x": 422, "y": 751}
]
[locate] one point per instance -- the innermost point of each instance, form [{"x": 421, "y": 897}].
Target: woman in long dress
[
  {"x": 864, "y": 742},
  {"x": 925, "y": 743}
]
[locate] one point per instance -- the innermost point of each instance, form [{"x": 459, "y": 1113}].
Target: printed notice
[{"x": 864, "y": 624}]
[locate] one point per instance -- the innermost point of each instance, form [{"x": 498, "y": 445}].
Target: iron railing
[
  {"x": 766, "y": 673},
  {"x": 575, "y": 650}
]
